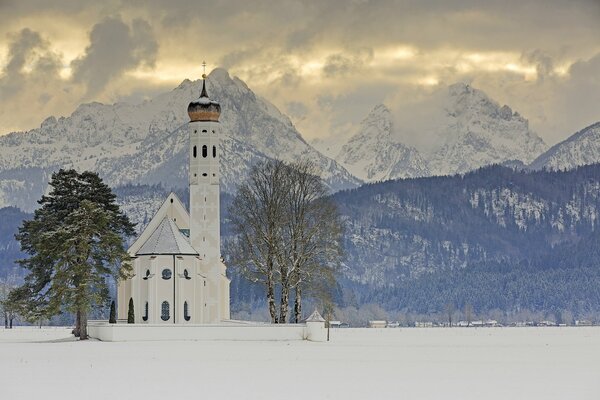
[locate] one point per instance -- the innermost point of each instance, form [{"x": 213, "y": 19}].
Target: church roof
[{"x": 166, "y": 239}]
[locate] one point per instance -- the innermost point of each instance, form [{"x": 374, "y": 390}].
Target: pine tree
[
  {"x": 130, "y": 313},
  {"x": 74, "y": 244},
  {"x": 112, "y": 319}
]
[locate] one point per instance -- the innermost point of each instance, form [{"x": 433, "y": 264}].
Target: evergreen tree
[
  {"x": 74, "y": 244},
  {"x": 112, "y": 319},
  {"x": 130, "y": 313}
]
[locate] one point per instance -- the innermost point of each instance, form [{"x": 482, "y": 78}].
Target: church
[{"x": 178, "y": 274}]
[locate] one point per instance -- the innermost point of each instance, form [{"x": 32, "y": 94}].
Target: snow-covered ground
[{"x": 415, "y": 363}]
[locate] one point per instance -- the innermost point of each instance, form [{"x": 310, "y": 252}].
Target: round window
[{"x": 166, "y": 273}]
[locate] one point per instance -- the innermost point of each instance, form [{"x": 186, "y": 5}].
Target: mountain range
[
  {"x": 469, "y": 129},
  {"x": 432, "y": 225},
  {"x": 146, "y": 143}
]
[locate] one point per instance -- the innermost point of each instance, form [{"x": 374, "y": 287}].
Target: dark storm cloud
[
  {"x": 544, "y": 65},
  {"x": 27, "y": 49},
  {"x": 115, "y": 48}
]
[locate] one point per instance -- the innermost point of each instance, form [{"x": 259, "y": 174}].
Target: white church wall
[{"x": 243, "y": 332}]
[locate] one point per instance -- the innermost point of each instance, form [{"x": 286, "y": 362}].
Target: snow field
[{"x": 414, "y": 363}]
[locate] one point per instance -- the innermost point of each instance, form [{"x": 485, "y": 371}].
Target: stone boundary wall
[{"x": 120, "y": 332}]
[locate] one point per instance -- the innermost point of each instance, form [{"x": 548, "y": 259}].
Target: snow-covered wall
[{"x": 104, "y": 331}]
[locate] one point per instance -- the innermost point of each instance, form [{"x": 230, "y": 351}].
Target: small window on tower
[
  {"x": 214, "y": 151},
  {"x": 213, "y": 131},
  {"x": 203, "y": 130},
  {"x": 145, "y": 316},
  {"x": 204, "y": 151},
  {"x": 195, "y": 131},
  {"x": 204, "y": 174},
  {"x": 195, "y": 152}
]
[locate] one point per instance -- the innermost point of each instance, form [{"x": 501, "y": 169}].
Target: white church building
[{"x": 178, "y": 273}]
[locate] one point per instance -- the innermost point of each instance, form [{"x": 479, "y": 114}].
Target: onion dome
[{"x": 204, "y": 109}]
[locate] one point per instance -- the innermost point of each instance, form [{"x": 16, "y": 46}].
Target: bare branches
[{"x": 288, "y": 233}]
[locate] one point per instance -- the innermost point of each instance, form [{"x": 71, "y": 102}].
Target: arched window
[
  {"x": 147, "y": 275},
  {"x": 186, "y": 311},
  {"x": 204, "y": 151},
  {"x": 195, "y": 152},
  {"x": 214, "y": 151},
  {"x": 145, "y": 317},
  {"x": 203, "y": 130},
  {"x": 186, "y": 274},
  {"x": 164, "y": 311},
  {"x": 166, "y": 274}
]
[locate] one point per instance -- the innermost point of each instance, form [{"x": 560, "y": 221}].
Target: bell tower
[{"x": 204, "y": 130}]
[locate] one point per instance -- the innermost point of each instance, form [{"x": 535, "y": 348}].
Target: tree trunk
[
  {"x": 285, "y": 300},
  {"x": 271, "y": 301},
  {"x": 77, "y": 330},
  {"x": 5, "y": 320},
  {"x": 298, "y": 304},
  {"x": 271, "y": 295},
  {"x": 11, "y": 322},
  {"x": 83, "y": 326}
]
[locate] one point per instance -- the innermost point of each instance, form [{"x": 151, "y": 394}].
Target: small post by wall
[{"x": 315, "y": 328}]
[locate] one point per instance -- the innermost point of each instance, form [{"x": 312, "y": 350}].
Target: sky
[{"x": 326, "y": 64}]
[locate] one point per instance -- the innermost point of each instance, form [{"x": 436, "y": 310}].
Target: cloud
[
  {"x": 544, "y": 65},
  {"x": 114, "y": 49},
  {"x": 29, "y": 79},
  {"x": 353, "y": 54}
]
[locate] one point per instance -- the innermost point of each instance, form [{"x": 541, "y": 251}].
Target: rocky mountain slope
[
  {"x": 478, "y": 131},
  {"x": 469, "y": 129},
  {"x": 375, "y": 154},
  {"x": 147, "y": 142},
  {"x": 582, "y": 148}
]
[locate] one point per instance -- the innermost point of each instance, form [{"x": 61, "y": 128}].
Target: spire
[
  {"x": 203, "y": 93},
  {"x": 204, "y": 109}
]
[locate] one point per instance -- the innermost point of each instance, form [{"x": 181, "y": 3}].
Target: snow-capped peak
[
  {"x": 373, "y": 153},
  {"x": 582, "y": 148}
]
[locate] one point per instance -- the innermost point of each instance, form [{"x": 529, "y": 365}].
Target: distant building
[
  {"x": 377, "y": 324},
  {"x": 423, "y": 324}
]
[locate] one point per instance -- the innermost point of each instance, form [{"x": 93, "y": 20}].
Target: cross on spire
[{"x": 203, "y": 69}]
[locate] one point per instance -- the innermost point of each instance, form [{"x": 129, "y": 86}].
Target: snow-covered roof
[
  {"x": 166, "y": 239},
  {"x": 315, "y": 317}
]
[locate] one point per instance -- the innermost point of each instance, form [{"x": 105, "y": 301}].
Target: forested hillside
[{"x": 495, "y": 238}]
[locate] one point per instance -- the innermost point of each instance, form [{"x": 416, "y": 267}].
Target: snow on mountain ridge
[
  {"x": 463, "y": 128},
  {"x": 147, "y": 142},
  {"x": 581, "y": 148},
  {"x": 480, "y": 132},
  {"x": 374, "y": 153}
]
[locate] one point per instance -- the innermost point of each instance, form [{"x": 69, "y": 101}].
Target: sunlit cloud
[{"x": 326, "y": 64}]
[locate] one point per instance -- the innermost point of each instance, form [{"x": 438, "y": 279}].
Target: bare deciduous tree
[
  {"x": 257, "y": 214},
  {"x": 288, "y": 233},
  {"x": 468, "y": 313},
  {"x": 310, "y": 247},
  {"x": 450, "y": 312},
  {"x": 7, "y": 308}
]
